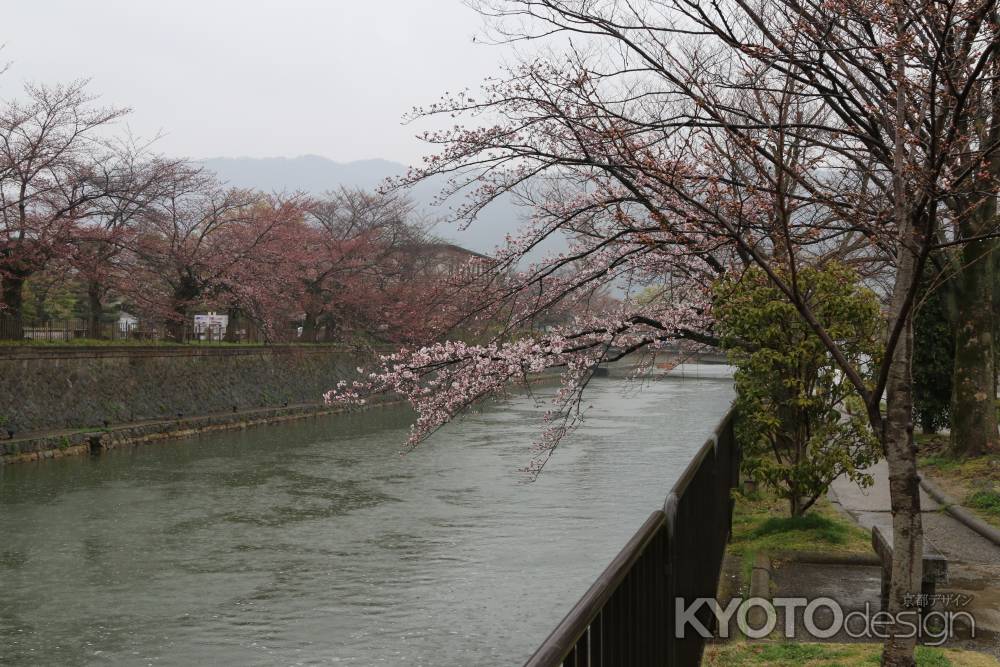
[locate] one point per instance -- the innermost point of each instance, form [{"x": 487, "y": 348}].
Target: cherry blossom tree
[
  {"x": 192, "y": 240},
  {"x": 355, "y": 241},
  {"x": 354, "y": 267},
  {"x": 50, "y": 144},
  {"x": 132, "y": 180},
  {"x": 674, "y": 138}
]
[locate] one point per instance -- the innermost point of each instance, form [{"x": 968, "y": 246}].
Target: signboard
[{"x": 211, "y": 325}]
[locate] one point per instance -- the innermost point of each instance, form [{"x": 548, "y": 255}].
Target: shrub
[{"x": 801, "y": 423}]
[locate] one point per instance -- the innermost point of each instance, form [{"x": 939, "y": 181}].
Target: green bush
[{"x": 802, "y": 423}]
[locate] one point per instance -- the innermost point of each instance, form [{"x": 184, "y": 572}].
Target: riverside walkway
[{"x": 974, "y": 561}]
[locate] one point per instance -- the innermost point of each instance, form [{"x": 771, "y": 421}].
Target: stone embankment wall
[
  {"x": 47, "y": 389},
  {"x": 65, "y": 401}
]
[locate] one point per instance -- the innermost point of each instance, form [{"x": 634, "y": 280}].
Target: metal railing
[
  {"x": 627, "y": 616},
  {"x": 75, "y": 329}
]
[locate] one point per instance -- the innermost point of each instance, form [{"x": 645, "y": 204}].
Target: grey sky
[{"x": 255, "y": 77}]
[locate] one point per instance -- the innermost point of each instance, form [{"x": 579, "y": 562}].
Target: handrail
[
  {"x": 560, "y": 642},
  {"x": 582, "y": 638},
  {"x": 682, "y": 483}
]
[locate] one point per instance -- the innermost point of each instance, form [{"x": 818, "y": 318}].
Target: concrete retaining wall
[{"x": 44, "y": 389}]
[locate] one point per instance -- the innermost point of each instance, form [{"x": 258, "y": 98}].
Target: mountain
[
  {"x": 311, "y": 173},
  {"x": 316, "y": 174}
]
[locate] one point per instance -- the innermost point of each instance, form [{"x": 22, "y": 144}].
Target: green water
[{"x": 316, "y": 543}]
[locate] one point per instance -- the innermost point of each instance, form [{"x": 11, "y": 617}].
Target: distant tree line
[{"x": 90, "y": 220}]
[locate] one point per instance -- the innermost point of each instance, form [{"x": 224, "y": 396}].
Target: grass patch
[
  {"x": 987, "y": 501},
  {"x": 740, "y": 654},
  {"x": 939, "y": 462},
  {"x": 799, "y": 653},
  {"x": 816, "y": 525},
  {"x": 975, "y": 481},
  {"x": 935, "y": 456},
  {"x": 761, "y": 524}
]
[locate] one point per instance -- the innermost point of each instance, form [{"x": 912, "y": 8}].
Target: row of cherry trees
[{"x": 123, "y": 224}]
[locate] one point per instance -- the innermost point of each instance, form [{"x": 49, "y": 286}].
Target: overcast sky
[{"x": 255, "y": 78}]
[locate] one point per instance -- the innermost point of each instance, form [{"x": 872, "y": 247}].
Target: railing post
[{"x": 670, "y": 507}]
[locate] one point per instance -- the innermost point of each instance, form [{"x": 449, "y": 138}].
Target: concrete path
[
  {"x": 974, "y": 561},
  {"x": 871, "y": 507}
]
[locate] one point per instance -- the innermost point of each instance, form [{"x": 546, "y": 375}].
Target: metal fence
[
  {"x": 77, "y": 329},
  {"x": 627, "y": 615}
]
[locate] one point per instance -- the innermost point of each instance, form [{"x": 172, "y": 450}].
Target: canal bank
[
  {"x": 74, "y": 400},
  {"x": 78, "y": 442},
  {"x": 65, "y": 387},
  {"x": 58, "y": 401},
  {"x": 197, "y": 386}
]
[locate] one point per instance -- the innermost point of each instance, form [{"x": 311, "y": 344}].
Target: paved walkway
[
  {"x": 871, "y": 507},
  {"x": 974, "y": 561}
]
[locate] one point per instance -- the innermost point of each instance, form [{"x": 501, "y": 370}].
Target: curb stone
[
  {"x": 952, "y": 507},
  {"x": 760, "y": 587},
  {"x": 760, "y": 577},
  {"x": 824, "y": 558}
]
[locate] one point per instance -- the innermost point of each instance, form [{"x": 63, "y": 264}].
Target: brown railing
[{"x": 627, "y": 615}]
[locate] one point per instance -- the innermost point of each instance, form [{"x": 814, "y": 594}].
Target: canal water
[{"x": 316, "y": 543}]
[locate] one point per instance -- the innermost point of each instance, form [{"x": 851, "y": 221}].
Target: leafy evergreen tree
[{"x": 802, "y": 423}]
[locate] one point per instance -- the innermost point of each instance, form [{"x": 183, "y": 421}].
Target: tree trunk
[
  {"x": 973, "y": 404},
  {"x": 95, "y": 308},
  {"x": 796, "y": 505},
  {"x": 186, "y": 292},
  {"x": 904, "y": 493},
  {"x": 12, "y": 316},
  {"x": 176, "y": 324},
  {"x": 233, "y": 326},
  {"x": 897, "y": 426},
  {"x": 309, "y": 328},
  {"x": 995, "y": 312}
]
